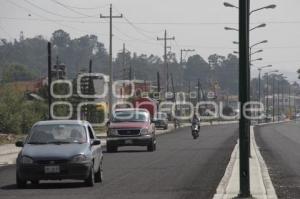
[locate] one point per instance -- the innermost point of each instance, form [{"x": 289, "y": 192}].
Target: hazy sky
[{"x": 196, "y": 24}]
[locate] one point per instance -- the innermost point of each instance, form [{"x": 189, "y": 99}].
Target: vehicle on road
[
  {"x": 195, "y": 130},
  {"x": 58, "y": 150},
  {"x": 160, "y": 120},
  {"x": 130, "y": 127}
]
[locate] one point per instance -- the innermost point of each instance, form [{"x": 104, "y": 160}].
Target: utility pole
[
  {"x": 49, "y": 81},
  {"x": 130, "y": 72},
  {"x": 184, "y": 50},
  {"x": 282, "y": 98},
  {"x": 158, "y": 82},
  {"x": 110, "y": 56},
  {"x": 259, "y": 86},
  {"x": 290, "y": 112},
  {"x": 244, "y": 97},
  {"x": 278, "y": 104},
  {"x": 165, "y": 69},
  {"x": 168, "y": 78},
  {"x": 198, "y": 91},
  {"x": 267, "y": 98},
  {"x": 123, "y": 60},
  {"x": 174, "y": 93},
  {"x": 273, "y": 98},
  {"x": 158, "y": 88}
]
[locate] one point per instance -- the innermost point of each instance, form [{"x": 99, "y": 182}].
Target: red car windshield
[{"x": 130, "y": 116}]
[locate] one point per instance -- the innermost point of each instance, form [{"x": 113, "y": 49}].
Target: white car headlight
[
  {"x": 144, "y": 131},
  {"x": 26, "y": 160},
  {"x": 80, "y": 158},
  {"x": 112, "y": 132}
]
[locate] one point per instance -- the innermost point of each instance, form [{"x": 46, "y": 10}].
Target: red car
[{"x": 130, "y": 127}]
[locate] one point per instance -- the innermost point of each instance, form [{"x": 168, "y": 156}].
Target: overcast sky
[{"x": 196, "y": 24}]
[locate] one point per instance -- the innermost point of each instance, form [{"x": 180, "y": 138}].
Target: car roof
[{"x": 48, "y": 122}]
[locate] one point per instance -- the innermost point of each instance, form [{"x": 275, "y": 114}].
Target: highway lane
[
  {"x": 180, "y": 168},
  {"x": 280, "y": 148}
]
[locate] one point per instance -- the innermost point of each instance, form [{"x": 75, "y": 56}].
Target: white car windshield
[{"x": 57, "y": 134}]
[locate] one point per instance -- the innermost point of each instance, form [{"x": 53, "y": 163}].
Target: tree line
[{"x": 26, "y": 59}]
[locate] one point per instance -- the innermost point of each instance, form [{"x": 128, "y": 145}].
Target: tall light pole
[
  {"x": 259, "y": 85},
  {"x": 278, "y": 96},
  {"x": 267, "y": 93},
  {"x": 273, "y": 98},
  {"x": 283, "y": 96},
  {"x": 244, "y": 97}
]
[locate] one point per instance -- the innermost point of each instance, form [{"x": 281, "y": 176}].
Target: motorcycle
[{"x": 195, "y": 130}]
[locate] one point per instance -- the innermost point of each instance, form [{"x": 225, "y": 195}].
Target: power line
[
  {"x": 150, "y": 23},
  {"x": 85, "y": 8},
  {"x": 49, "y": 12},
  {"x": 71, "y": 9},
  {"x": 55, "y": 22},
  {"x": 138, "y": 29}
]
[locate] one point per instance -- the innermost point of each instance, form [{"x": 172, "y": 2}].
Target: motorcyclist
[
  {"x": 195, "y": 126},
  {"x": 195, "y": 120}
]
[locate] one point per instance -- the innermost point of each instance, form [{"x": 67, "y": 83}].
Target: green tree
[
  {"x": 16, "y": 72},
  {"x": 17, "y": 115},
  {"x": 10, "y": 106}
]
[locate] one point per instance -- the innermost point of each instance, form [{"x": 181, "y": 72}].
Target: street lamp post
[
  {"x": 259, "y": 78},
  {"x": 267, "y": 93},
  {"x": 273, "y": 98},
  {"x": 244, "y": 123},
  {"x": 290, "y": 112},
  {"x": 244, "y": 94},
  {"x": 278, "y": 96},
  {"x": 283, "y": 96}
]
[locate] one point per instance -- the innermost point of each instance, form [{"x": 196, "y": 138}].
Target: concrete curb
[
  {"x": 221, "y": 190},
  {"x": 260, "y": 182},
  {"x": 269, "y": 188}
]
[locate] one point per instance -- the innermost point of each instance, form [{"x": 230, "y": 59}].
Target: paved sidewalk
[{"x": 261, "y": 186}]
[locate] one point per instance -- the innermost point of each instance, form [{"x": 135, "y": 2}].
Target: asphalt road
[
  {"x": 280, "y": 148},
  {"x": 180, "y": 168}
]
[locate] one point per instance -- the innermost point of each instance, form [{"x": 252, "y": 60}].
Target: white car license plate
[
  {"x": 128, "y": 141},
  {"x": 52, "y": 169}
]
